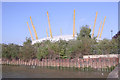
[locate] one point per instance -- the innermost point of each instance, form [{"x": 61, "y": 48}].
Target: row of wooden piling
[{"x": 96, "y": 63}]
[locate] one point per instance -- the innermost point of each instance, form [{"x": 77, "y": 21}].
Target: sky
[{"x": 15, "y": 16}]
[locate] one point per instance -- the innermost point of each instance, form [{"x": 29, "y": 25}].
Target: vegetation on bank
[{"x": 83, "y": 45}]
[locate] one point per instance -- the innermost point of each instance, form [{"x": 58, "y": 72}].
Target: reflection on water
[{"x": 38, "y": 72}]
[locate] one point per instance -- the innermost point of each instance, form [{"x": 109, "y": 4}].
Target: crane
[
  {"x": 49, "y": 26},
  {"x": 34, "y": 28},
  {"x": 94, "y": 25},
  {"x": 47, "y": 32},
  {"x": 102, "y": 27},
  {"x": 30, "y": 31},
  {"x": 99, "y": 30},
  {"x": 74, "y": 24}
]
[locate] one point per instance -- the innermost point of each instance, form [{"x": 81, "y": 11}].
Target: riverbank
[{"x": 114, "y": 73}]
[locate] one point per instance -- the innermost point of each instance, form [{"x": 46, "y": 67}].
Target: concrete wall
[{"x": 101, "y": 56}]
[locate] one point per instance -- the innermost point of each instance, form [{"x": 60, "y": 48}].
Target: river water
[{"x": 38, "y": 72}]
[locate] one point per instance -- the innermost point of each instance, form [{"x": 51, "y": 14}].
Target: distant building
[
  {"x": 56, "y": 38},
  {"x": 116, "y": 35}
]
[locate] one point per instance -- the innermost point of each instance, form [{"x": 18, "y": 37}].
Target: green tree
[
  {"x": 10, "y": 51},
  {"x": 62, "y": 49},
  {"x": 84, "y": 32},
  {"x": 104, "y": 46},
  {"x": 42, "y": 52},
  {"x": 108, "y": 46},
  {"x": 27, "y": 42},
  {"x": 28, "y": 51}
]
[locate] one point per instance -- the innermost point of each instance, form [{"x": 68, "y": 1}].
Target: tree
[
  {"x": 28, "y": 51},
  {"x": 62, "y": 48},
  {"x": 5, "y": 52},
  {"x": 42, "y": 52},
  {"x": 107, "y": 46},
  {"x": 83, "y": 44},
  {"x": 114, "y": 46},
  {"x": 84, "y": 32},
  {"x": 27, "y": 42},
  {"x": 10, "y": 51}
]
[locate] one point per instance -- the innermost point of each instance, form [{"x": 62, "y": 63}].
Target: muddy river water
[{"x": 38, "y": 72}]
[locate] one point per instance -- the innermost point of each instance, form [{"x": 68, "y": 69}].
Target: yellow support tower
[
  {"x": 74, "y": 24},
  {"x": 47, "y": 32},
  {"x": 49, "y": 26},
  {"x": 34, "y": 28},
  {"x": 90, "y": 27},
  {"x": 94, "y": 25},
  {"x": 61, "y": 31},
  {"x": 30, "y": 31},
  {"x": 102, "y": 27},
  {"x": 75, "y": 31},
  {"x": 99, "y": 30}
]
